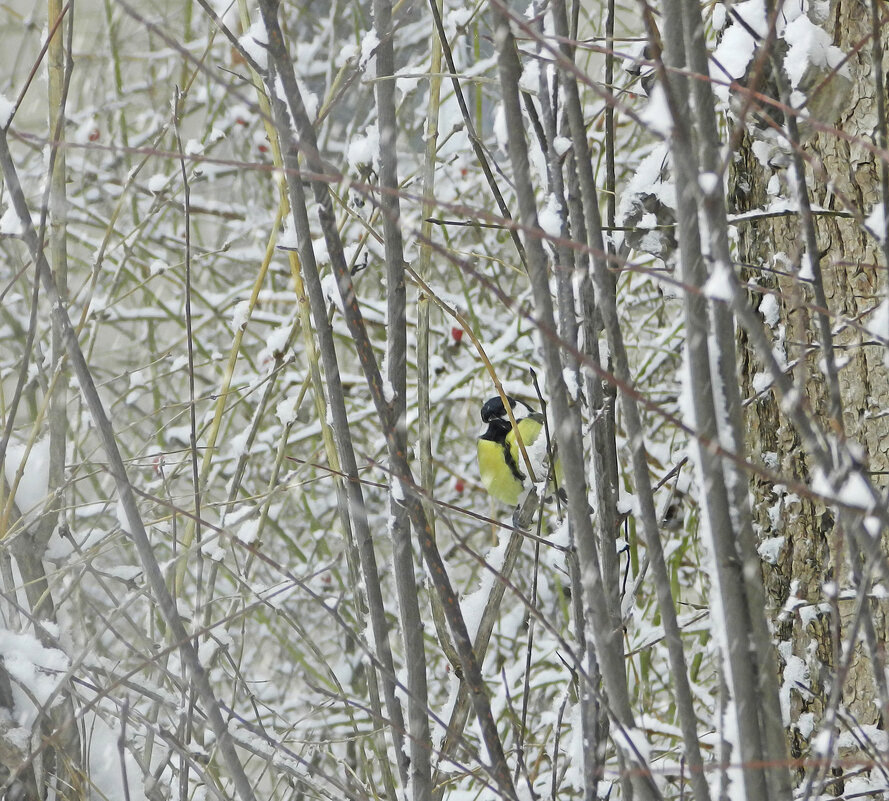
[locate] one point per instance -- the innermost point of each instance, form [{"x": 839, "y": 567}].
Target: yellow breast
[{"x": 496, "y": 474}]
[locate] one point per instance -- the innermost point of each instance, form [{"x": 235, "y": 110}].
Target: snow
[
  {"x": 369, "y": 44},
  {"x": 332, "y": 292},
  {"x": 805, "y": 270},
  {"x": 550, "y": 216},
  {"x": 634, "y": 744},
  {"x": 105, "y": 770},
  {"x": 206, "y": 650},
  {"x": 873, "y": 526},
  {"x": 237, "y": 445},
  {"x": 856, "y": 491},
  {"x": 364, "y": 150},
  {"x": 769, "y": 309},
  {"x": 770, "y": 549},
  {"x": 649, "y": 185},
  {"x": 248, "y": 532},
  {"x": 821, "y": 743},
  {"x": 809, "y": 45},
  {"x": 473, "y": 604},
  {"x": 805, "y": 724},
  {"x": 458, "y": 18},
  {"x": 719, "y": 284},
  {"x": 685, "y": 401},
  {"x": 309, "y": 98},
  {"x": 763, "y": 151},
  {"x": 240, "y": 315},
  {"x": 157, "y": 182},
  {"x": 126, "y": 573},
  {"x": 571, "y": 377},
  {"x": 122, "y": 517},
  {"x": 876, "y": 224},
  {"x": 530, "y": 78},
  {"x": 500, "y": 133},
  {"x": 7, "y": 109},
  {"x": 735, "y": 50},
  {"x": 211, "y": 548},
  {"x": 647, "y": 221},
  {"x": 31, "y": 492},
  {"x": 35, "y": 667},
  {"x": 874, "y": 785},
  {"x": 11, "y": 223},
  {"x": 406, "y": 81},
  {"x": 710, "y": 183},
  {"x": 276, "y": 342},
  {"x": 319, "y": 248},
  {"x": 288, "y": 238},
  {"x": 561, "y": 145},
  {"x": 255, "y": 43},
  {"x": 286, "y": 409},
  {"x": 656, "y": 115},
  {"x": 821, "y": 484}
]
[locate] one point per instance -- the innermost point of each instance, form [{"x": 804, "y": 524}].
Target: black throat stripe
[{"x": 497, "y": 431}]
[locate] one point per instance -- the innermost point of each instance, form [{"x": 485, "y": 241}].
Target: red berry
[
  {"x": 459, "y": 485},
  {"x": 457, "y": 334},
  {"x": 94, "y": 135}
]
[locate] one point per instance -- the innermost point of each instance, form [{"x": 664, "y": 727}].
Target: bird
[{"x": 500, "y": 463}]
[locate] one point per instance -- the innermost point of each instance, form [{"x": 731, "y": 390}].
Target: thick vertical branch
[
  {"x": 342, "y": 434},
  {"x": 731, "y": 601},
  {"x": 728, "y": 389},
  {"x": 605, "y": 287},
  {"x": 424, "y": 304},
  {"x": 398, "y": 458},
  {"x": 405, "y": 581},
  {"x": 568, "y": 434},
  {"x": 571, "y": 265},
  {"x": 882, "y": 124},
  {"x": 59, "y": 77},
  {"x": 62, "y": 756}
]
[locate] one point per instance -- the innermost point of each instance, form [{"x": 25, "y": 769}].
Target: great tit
[{"x": 500, "y": 463}]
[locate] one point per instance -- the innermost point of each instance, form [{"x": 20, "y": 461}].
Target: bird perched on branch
[{"x": 501, "y": 465}]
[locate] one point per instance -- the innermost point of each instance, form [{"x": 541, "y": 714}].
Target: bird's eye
[{"x": 492, "y": 409}]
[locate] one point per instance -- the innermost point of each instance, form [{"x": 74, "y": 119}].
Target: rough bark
[{"x": 843, "y": 176}]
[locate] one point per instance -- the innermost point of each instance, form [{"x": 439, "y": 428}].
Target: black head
[
  {"x": 493, "y": 408},
  {"x": 497, "y": 429}
]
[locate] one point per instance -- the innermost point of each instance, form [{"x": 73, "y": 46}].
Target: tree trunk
[{"x": 811, "y": 622}]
